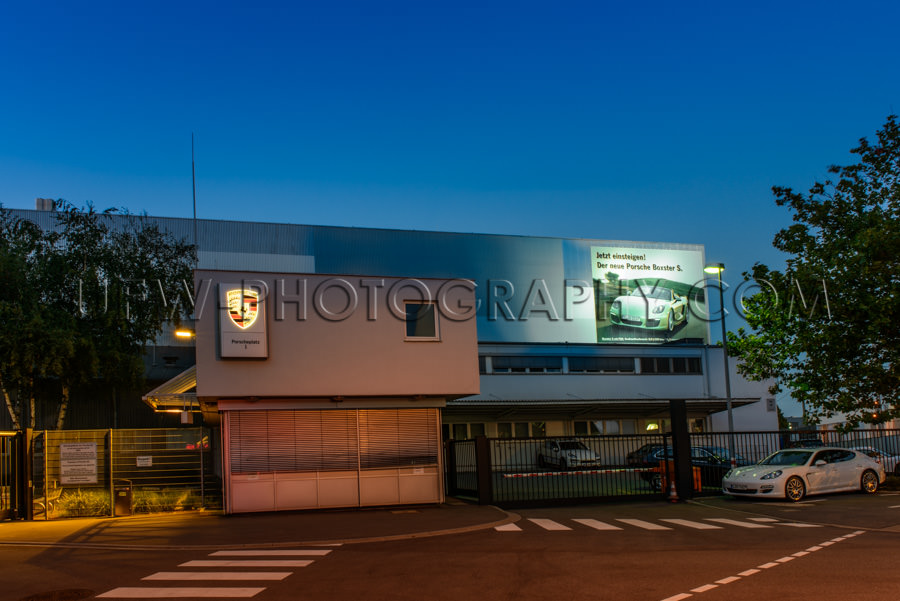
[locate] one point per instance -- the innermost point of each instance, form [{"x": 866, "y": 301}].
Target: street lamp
[{"x": 718, "y": 268}]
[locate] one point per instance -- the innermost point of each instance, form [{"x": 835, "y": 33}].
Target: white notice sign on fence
[{"x": 78, "y": 463}]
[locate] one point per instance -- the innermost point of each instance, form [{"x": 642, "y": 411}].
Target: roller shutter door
[{"x": 294, "y": 459}]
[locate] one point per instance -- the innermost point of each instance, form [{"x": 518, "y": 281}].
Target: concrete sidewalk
[{"x": 215, "y": 530}]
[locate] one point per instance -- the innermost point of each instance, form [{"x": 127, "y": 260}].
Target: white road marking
[
  {"x": 548, "y": 524},
  {"x": 728, "y": 580},
  {"x": 272, "y": 553},
  {"x": 786, "y": 559},
  {"x": 678, "y": 597},
  {"x": 893, "y": 506},
  {"x": 763, "y": 519},
  {"x": 173, "y": 593},
  {"x": 596, "y": 524},
  {"x": 800, "y": 553},
  {"x": 749, "y": 572},
  {"x": 507, "y": 528},
  {"x": 815, "y": 548},
  {"x": 643, "y": 524},
  {"x": 218, "y": 576},
  {"x": 826, "y": 543},
  {"x": 799, "y": 525},
  {"x": 246, "y": 563},
  {"x": 690, "y": 524},
  {"x": 737, "y": 523},
  {"x": 766, "y": 566},
  {"x": 704, "y": 588}
]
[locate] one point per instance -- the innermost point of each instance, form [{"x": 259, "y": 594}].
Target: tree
[
  {"x": 828, "y": 326},
  {"x": 90, "y": 294}
]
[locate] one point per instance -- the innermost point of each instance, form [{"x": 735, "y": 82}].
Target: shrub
[
  {"x": 155, "y": 501},
  {"x": 83, "y": 503}
]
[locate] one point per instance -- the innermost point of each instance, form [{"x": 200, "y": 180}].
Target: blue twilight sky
[{"x": 660, "y": 121}]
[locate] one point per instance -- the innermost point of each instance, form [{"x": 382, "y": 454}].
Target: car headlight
[
  {"x": 772, "y": 475},
  {"x": 728, "y": 474},
  {"x": 658, "y": 309}
]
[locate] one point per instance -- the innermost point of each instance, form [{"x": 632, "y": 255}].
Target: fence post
[
  {"x": 450, "y": 463},
  {"x": 26, "y": 478},
  {"x": 484, "y": 470},
  {"x": 112, "y": 488},
  {"x": 681, "y": 446},
  {"x": 203, "y": 468}
]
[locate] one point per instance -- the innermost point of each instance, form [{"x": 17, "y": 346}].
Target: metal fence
[
  {"x": 118, "y": 472},
  {"x": 12, "y": 480},
  {"x": 551, "y": 470}
]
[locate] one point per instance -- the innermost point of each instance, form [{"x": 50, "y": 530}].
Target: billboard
[{"x": 648, "y": 295}]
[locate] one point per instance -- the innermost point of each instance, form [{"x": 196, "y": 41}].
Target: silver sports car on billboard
[{"x": 650, "y": 308}]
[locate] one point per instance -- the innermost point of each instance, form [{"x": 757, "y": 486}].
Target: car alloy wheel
[
  {"x": 869, "y": 482},
  {"x": 794, "y": 489},
  {"x": 671, "y": 324}
]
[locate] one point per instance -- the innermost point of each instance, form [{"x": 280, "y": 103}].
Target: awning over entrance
[
  {"x": 574, "y": 408},
  {"x": 173, "y": 395}
]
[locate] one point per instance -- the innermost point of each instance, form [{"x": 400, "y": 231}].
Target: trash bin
[{"x": 123, "y": 498}]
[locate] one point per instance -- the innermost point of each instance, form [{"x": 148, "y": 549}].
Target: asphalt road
[{"x": 830, "y": 548}]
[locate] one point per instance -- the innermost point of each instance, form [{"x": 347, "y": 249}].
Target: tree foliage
[
  {"x": 80, "y": 301},
  {"x": 828, "y": 326}
]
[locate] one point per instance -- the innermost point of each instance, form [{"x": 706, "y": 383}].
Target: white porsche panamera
[{"x": 794, "y": 473}]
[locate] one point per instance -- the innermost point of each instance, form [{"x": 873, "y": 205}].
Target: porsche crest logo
[{"x": 243, "y": 307}]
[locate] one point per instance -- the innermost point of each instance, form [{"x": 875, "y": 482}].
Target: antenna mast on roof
[{"x": 194, "y": 188}]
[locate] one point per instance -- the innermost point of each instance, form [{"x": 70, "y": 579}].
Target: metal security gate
[
  {"x": 308, "y": 458},
  {"x": 12, "y": 476},
  {"x": 81, "y": 473}
]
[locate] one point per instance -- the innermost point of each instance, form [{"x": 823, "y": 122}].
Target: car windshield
[
  {"x": 571, "y": 445},
  {"x": 787, "y": 458},
  {"x": 658, "y": 293}
]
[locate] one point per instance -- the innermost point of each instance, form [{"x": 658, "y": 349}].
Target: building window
[
  {"x": 669, "y": 365},
  {"x": 482, "y": 365},
  {"x": 597, "y": 365},
  {"x": 504, "y": 430},
  {"x": 421, "y": 321},
  {"x": 586, "y": 429},
  {"x": 521, "y": 429},
  {"x": 539, "y": 428},
  {"x": 526, "y": 365},
  {"x": 476, "y": 430},
  {"x": 460, "y": 432}
]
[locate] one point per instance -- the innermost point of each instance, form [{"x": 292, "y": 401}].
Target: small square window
[{"x": 421, "y": 321}]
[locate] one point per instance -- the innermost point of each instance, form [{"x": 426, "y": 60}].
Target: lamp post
[{"x": 718, "y": 268}]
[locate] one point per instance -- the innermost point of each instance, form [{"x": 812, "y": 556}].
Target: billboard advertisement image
[{"x": 648, "y": 295}]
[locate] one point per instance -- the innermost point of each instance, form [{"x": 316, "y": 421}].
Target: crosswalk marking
[
  {"x": 596, "y": 524},
  {"x": 737, "y": 523},
  {"x": 271, "y": 553},
  {"x": 246, "y": 563},
  {"x": 660, "y": 524},
  {"x": 643, "y": 524},
  {"x": 172, "y": 593},
  {"x": 548, "y": 524},
  {"x": 218, "y": 576},
  {"x": 690, "y": 524}
]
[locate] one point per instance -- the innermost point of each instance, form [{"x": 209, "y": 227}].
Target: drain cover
[{"x": 71, "y": 594}]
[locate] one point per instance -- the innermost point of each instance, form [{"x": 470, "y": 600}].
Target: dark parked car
[{"x": 712, "y": 461}]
